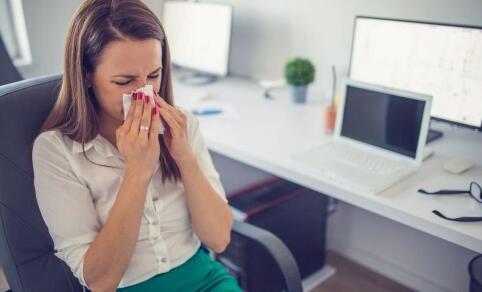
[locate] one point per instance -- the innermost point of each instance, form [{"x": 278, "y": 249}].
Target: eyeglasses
[{"x": 475, "y": 191}]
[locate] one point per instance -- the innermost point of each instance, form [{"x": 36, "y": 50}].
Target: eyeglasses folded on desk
[{"x": 475, "y": 192}]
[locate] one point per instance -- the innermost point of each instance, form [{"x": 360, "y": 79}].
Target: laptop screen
[{"x": 384, "y": 120}]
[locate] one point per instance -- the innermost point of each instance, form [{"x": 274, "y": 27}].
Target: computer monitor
[
  {"x": 199, "y": 35},
  {"x": 441, "y": 60}
]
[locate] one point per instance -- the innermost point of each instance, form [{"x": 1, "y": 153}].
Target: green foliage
[{"x": 299, "y": 71}]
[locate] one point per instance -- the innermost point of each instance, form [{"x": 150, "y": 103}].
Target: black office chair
[
  {"x": 8, "y": 71},
  {"x": 26, "y": 248}
]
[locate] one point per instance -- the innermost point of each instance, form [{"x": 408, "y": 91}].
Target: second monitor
[
  {"x": 199, "y": 36},
  {"x": 441, "y": 60}
]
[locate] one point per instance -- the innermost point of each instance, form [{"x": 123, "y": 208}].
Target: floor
[
  {"x": 349, "y": 277},
  {"x": 352, "y": 277}
]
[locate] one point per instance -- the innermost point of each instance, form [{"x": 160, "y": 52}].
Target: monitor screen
[
  {"x": 443, "y": 61},
  {"x": 199, "y": 35},
  {"x": 383, "y": 120}
]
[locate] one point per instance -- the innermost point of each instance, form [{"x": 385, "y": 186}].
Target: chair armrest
[{"x": 277, "y": 249}]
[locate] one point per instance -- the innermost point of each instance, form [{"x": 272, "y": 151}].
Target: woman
[{"x": 127, "y": 208}]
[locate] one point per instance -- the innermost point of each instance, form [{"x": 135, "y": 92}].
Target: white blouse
[{"x": 75, "y": 198}]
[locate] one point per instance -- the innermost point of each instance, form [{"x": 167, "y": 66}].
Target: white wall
[
  {"x": 265, "y": 34},
  {"x": 46, "y": 30}
]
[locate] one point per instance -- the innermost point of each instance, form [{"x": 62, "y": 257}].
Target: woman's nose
[{"x": 141, "y": 83}]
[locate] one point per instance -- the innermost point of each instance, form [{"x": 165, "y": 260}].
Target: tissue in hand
[{"x": 146, "y": 90}]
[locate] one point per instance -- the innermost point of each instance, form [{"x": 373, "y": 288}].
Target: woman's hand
[
  {"x": 175, "y": 134},
  {"x": 137, "y": 138}
]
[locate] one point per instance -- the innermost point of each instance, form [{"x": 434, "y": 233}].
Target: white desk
[{"x": 267, "y": 133}]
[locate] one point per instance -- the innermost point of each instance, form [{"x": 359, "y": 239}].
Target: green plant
[{"x": 299, "y": 72}]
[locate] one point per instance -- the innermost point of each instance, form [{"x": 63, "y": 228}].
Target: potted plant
[{"x": 299, "y": 73}]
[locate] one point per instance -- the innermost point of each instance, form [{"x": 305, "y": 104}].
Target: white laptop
[{"x": 379, "y": 138}]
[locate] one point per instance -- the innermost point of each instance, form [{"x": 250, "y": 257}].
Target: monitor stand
[
  {"x": 197, "y": 78},
  {"x": 433, "y": 135}
]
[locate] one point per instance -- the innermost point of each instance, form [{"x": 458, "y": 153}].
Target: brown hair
[{"x": 95, "y": 24}]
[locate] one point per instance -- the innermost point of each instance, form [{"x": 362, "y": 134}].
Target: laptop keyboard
[{"x": 367, "y": 162}]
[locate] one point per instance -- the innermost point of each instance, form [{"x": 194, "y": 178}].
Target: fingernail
[
  {"x": 154, "y": 110},
  {"x": 147, "y": 98},
  {"x": 140, "y": 95},
  {"x": 134, "y": 96}
]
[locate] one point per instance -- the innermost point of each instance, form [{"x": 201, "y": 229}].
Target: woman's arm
[
  {"x": 108, "y": 256},
  {"x": 210, "y": 214}
]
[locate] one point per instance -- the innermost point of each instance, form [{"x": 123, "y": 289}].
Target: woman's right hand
[{"x": 140, "y": 148}]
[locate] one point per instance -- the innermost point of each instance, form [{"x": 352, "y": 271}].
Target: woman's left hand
[{"x": 175, "y": 134}]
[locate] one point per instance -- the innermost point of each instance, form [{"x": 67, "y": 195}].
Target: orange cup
[{"x": 330, "y": 119}]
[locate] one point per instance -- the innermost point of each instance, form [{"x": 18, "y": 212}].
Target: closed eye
[
  {"x": 122, "y": 83},
  {"x": 129, "y": 81}
]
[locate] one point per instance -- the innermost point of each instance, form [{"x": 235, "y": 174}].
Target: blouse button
[
  {"x": 158, "y": 205},
  {"x": 164, "y": 260}
]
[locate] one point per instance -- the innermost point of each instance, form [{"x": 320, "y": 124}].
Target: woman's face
[{"x": 124, "y": 66}]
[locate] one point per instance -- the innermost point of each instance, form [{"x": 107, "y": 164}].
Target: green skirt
[{"x": 199, "y": 273}]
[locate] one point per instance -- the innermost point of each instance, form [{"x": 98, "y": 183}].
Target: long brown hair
[{"x": 95, "y": 24}]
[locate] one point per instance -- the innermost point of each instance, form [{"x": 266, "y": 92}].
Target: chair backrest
[
  {"x": 8, "y": 71},
  {"x": 26, "y": 248}
]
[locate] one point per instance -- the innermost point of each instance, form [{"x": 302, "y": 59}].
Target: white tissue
[{"x": 146, "y": 90}]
